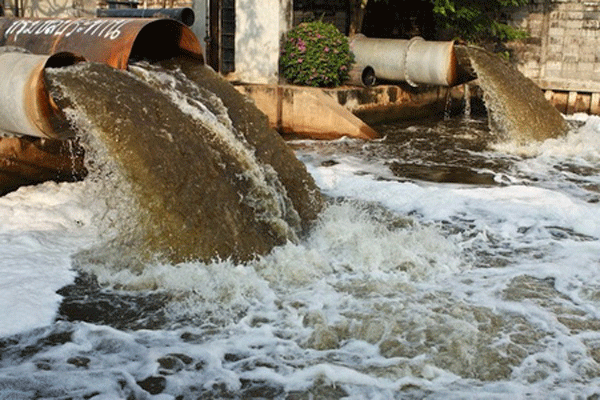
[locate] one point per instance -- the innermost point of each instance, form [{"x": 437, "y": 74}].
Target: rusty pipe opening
[
  {"x": 112, "y": 41},
  {"x": 63, "y": 59},
  {"x": 362, "y": 76},
  {"x": 164, "y": 39},
  {"x": 26, "y": 107}
]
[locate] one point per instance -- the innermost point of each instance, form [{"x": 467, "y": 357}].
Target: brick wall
[{"x": 562, "y": 51}]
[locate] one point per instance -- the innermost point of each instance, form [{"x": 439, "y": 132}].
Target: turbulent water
[
  {"x": 445, "y": 266},
  {"x": 518, "y": 110},
  {"x": 194, "y": 176}
]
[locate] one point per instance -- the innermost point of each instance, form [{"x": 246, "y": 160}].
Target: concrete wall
[
  {"x": 260, "y": 26},
  {"x": 563, "y": 50},
  {"x": 200, "y": 27}
]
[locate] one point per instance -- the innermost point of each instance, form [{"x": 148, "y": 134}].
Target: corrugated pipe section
[{"x": 415, "y": 61}]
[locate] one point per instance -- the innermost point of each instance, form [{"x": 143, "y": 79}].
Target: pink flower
[
  {"x": 326, "y": 49},
  {"x": 301, "y": 46}
]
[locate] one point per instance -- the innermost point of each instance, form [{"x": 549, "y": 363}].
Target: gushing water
[
  {"x": 441, "y": 268},
  {"x": 516, "y": 106},
  {"x": 190, "y": 178}
]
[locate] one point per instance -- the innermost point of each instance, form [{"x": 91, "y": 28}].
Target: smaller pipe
[
  {"x": 26, "y": 107},
  {"x": 115, "y": 4},
  {"x": 184, "y": 15},
  {"x": 362, "y": 76}
]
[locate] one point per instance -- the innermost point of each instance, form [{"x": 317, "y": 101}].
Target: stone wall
[{"x": 562, "y": 51}]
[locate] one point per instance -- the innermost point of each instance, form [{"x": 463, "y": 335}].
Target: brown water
[
  {"x": 406, "y": 288},
  {"x": 517, "y": 108},
  {"x": 189, "y": 174},
  {"x": 447, "y": 266}
]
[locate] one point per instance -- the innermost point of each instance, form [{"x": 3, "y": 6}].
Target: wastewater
[{"x": 446, "y": 263}]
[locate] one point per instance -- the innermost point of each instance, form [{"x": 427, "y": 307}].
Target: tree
[
  {"x": 358, "y": 7},
  {"x": 477, "y": 20},
  {"x": 469, "y": 20}
]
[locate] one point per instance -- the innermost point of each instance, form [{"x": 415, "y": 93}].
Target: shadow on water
[{"x": 454, "y": 150}]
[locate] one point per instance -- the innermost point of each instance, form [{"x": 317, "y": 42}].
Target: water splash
[
  {"x": 191, "y": 180},
  {"x": 516, "y": 107}
]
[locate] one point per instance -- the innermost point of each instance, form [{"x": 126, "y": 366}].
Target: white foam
[
  {"x": 431, "y": 290},
  {"x": 41, "y": 227}
]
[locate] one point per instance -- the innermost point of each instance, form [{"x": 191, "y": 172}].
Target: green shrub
[{"x": 316, "y": 54}]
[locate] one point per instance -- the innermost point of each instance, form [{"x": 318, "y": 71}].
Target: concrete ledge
[
  {"x": 572, "y": 102},
  {"x": 306, "y": 112},
  {"x": 347, "y": 111},
  {"x": 388, "y": 103}
]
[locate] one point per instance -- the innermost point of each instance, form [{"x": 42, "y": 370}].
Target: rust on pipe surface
[
  {"x": 28, "y": 161},
  {"x": 112, "y": 41},
  {"x": 25, "y": 105}
]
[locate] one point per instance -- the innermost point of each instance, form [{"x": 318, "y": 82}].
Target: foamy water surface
[{"x": 405, "y": 288}]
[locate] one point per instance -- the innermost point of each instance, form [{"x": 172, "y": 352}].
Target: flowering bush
[{"x": 316, "y": 54}]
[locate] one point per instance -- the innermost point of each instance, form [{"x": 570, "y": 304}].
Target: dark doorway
[
  {"x": 399, "y": 19},
  {"x": 221, "y": 44},
  {"x": 335, "y": 12}
]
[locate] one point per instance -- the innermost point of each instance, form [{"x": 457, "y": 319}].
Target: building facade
[{"x": 242, "y": 38}]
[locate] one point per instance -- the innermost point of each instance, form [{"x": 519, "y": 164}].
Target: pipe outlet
[{"x": 25, "y": 105}]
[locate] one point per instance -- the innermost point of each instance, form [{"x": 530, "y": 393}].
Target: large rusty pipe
[
  {"x": 112, "y": 41},
  {"x": 415, "y": 61},
  {"x": 25, "y": 105},
  {"x": 183, "y": 14}
]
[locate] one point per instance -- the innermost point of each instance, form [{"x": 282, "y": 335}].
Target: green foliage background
[
  {"x": 476, "y": 20},
  {"x": 317, "y": 54}
]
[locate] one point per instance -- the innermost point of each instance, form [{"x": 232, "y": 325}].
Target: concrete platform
[{"x": 347, "y": 111}]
